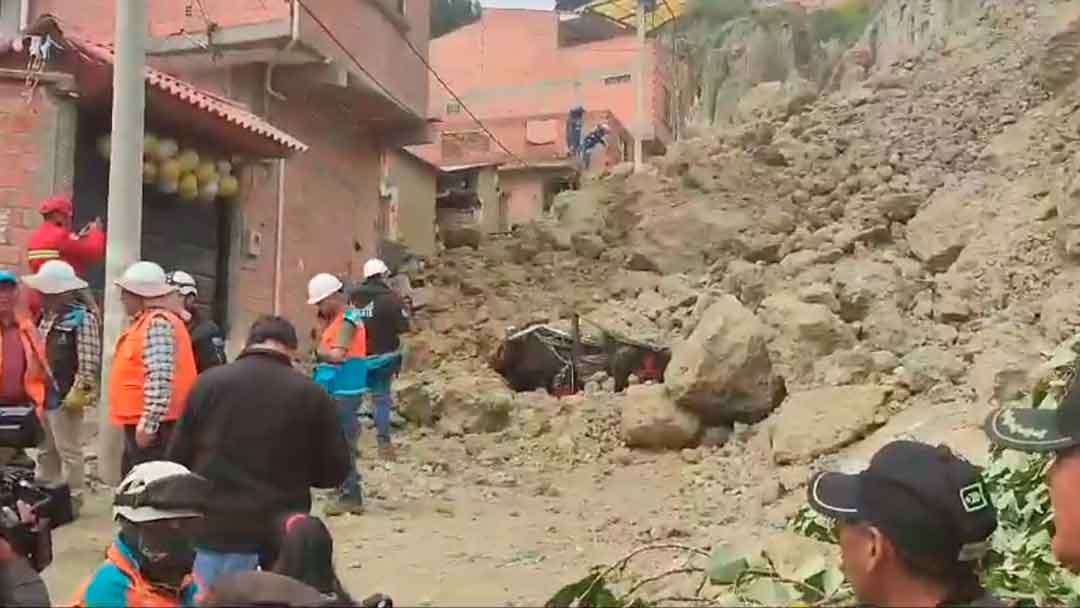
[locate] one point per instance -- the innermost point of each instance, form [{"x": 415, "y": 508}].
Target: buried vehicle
[{"x": 542, "y": 356}]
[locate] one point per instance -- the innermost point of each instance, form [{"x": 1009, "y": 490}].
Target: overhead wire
[{"x": 427, "y": 65}]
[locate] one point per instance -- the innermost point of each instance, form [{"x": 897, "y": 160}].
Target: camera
[{"x": 29, "y": 509}]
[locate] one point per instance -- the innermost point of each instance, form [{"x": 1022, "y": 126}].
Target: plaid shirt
[
  {"x": 159, "y": 358},
  {"x": 88, "y": 341}
]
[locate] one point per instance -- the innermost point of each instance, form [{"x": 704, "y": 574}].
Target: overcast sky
[{"x": 539, "y": 4}]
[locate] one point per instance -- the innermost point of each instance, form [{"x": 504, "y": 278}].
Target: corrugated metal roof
[
  {"x": 193, "y": 95},
  {"x": 624, "y": 12}
]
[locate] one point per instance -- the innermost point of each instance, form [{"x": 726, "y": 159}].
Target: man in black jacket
[
  {"x": 263, "y": 434},
  {"x": 207, "y": 339},
  {"x": 386, "y": 317}
]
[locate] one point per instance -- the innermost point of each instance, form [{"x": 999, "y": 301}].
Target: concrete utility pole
[
  {"x": 639, "y": 91},
  {"x": 124, "y": 242}
]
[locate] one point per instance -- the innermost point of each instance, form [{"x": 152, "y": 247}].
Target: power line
[{"x": 427, "y": 65}]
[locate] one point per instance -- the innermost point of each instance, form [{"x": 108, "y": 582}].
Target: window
[
  {"x": 621, "y": 78},
  {"x": 9, "y": 17},
  {"x": 453, "y": 107}
]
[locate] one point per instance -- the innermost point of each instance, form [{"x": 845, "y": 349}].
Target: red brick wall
[
  {"x": 364, "y": 30},
  {"x": 24, "y": 156},
  {"x": 377, "y": 42},
  {"x": 526, "y": 194},
  {"x": 512, "y": 133},
  {"x": 508, "y": 64},
  {"x": 165, "y": 17},
  {"x": 332, "y": 202}
]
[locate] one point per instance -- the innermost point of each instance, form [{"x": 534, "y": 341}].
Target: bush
[
  {"x": 844, "y": 21},
  {"x": 720, "y": 11},
  {"x": 1020, "y": 565}
]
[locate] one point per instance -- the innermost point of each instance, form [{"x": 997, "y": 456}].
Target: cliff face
[
  {"x": 791, "y": 44},
  {"x": 772, "y": 45}
]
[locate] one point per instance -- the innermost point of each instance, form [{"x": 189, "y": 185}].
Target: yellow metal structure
[{"x": 624, "y": 12}]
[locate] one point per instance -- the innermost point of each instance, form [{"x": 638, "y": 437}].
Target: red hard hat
[{"x": 59, "y": 203}]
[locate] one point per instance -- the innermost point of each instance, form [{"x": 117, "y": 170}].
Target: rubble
[
  {"x": 821, "y": 421},
  {"x": 723, "y": 371},
  {"x": 650, "y": 419}
]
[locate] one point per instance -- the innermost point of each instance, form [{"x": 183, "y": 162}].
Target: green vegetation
[
  {"x": 1019, "y": 567},
  {"x": 844, "y": 21},
  {"x": 449, "y": 15}
]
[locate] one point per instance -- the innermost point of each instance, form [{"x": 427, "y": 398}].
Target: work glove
[{"x": 79, "y": 398}]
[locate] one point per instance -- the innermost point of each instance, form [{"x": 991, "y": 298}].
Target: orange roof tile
[{"x": 193, "y": 95}]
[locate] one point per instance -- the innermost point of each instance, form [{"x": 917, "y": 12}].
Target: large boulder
[
  {"x": 821, "y": 421},
  {"x": 812, "y": 329},
  {"x": 941, "y": 230},
  {"x": 476, "y": 404},
  {"x": 650, "y": 419},
  {"x": 862, "y": 283},
  {"x": 416, "y": 402},
  {"x": 927, "y": 366},
  {"x": 723, "y": 371}
]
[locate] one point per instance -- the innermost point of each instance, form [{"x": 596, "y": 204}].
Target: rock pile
[{"x": 904, "y": 242}]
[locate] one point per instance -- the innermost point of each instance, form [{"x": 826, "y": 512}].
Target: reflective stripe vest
[
  {"x": 358, "y": 347},
  {"x": 119, "y": 584},
  {"x": 52, "y": 242},
  {"x": 128, "y": 376},
  {"x": 37, "y": 367}
]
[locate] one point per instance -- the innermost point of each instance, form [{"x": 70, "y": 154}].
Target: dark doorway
[{"x": 178, "y": 234}]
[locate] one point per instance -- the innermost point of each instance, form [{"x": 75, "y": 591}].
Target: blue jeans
[
  {"x": 348, "y": 411},
  {"x": 384, "y": 402},
  {"x": 211, "y": 565}
]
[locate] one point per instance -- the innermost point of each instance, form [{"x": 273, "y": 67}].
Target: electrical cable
[{"x": 427, "y": 65}]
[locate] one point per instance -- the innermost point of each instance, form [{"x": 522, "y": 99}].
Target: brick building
[
  {"x": 534, "y": 167},
  {"x": 312, "y": 98},
  {"x": 516, "y": 62}
]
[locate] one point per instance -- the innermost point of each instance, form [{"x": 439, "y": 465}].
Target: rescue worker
[
  {"x": 153, "y": 367},
  {"x": 343, "y": 336},
  {"x": 1055, "y": 431},
  {"x": 54, "y": 240},
  {"x": 207, "y": 339},
  {"x": 72, "y": 335},
  {"x": 158, "y": 506},
  {"x": 386, "y": 317},
  {"x": 596, "y": 137},
  {"x": 911, "y": 527},
  {"x": 24, "y": 370}
]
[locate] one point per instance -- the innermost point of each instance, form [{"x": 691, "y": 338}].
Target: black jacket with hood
[
  {"x": 263, "y": 433},
  {"x": 385, "y": 315}
]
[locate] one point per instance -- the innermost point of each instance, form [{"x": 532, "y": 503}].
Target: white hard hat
[
  {"x": 159, "y": 490},
  {"x": 146, "y": 279},
  {"x": 184, "y": 282},
  {"x": 322, "y": 286},
  {"x": 373, "y": 267},
  {"x": 55, "y": 277}
]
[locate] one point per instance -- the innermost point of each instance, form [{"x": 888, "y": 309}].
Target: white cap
[
  {"x": 146, "y": 279},
  {"x": 184, "y": 282},
  {"x": 158, "y": 490},
  {"x": 322, "y": 286},
  {"x": 55, "y": 277},
  {"x": 373, "y": 267}
]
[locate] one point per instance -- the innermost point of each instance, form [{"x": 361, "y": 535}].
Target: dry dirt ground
[{"x": 448, "y": 530}]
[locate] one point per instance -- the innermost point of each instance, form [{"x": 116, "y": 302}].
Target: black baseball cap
[
  {"x": 1038, "y": 430},
  {"x": 927, "y": 500}
]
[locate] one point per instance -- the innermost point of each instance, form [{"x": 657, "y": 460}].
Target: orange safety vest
[
  {"x": 37, "y": 367},
  {"x": 140, "y": 592},
  {"x": 358, "y": 348},
  {"x": 128, "y": 376}
]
